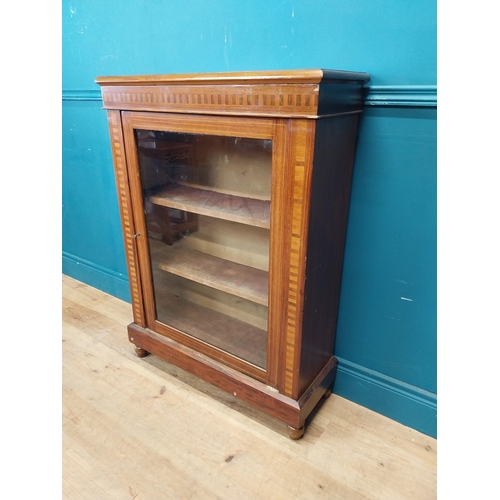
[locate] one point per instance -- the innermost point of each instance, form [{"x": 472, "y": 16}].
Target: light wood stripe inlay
[
  {"x": 264, "y": 99},
  {"x": 292, "y": 324},
  {"x": 123, "y": 198},
  {"x": 301, "y": 144}
]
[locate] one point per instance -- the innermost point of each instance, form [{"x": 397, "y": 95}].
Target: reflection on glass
[{"x": 207, "y": 207}]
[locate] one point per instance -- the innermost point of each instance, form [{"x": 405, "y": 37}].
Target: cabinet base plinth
[{"x": 259, "y": 395}]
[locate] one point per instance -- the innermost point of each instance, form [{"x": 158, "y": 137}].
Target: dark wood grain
[
  {"x": 262, "y": 396},
  {"x": 331, "y": 187},
  {"x": 242, "y": 386}
]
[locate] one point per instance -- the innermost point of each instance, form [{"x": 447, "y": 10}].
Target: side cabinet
[{"x": 234, "y": 193}]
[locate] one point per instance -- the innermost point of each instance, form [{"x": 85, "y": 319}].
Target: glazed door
[{"x": 203, "y": 190}]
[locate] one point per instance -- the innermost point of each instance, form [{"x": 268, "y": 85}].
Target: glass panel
[{"x": 207, "y": 207}]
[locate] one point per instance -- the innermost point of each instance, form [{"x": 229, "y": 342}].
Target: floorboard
[{"x": 142, "y": 429}]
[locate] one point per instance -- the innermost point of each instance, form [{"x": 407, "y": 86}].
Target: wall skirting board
[
  {"x": 99, "y": 277},
  {"x": 376, "y": 95},
  {"x": 401, "y": 95},
  {"x": 402, "y": 402}
]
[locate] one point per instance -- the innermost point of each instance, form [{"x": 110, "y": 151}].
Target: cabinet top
[
  {"x": 241, "y": 77},
  {"x": 307, "y": 93}
]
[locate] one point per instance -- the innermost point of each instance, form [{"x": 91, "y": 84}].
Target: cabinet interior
[{"x": 207, "y": 202}]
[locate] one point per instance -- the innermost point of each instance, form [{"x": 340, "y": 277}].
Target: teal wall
[{"x": 386, "y": 339}]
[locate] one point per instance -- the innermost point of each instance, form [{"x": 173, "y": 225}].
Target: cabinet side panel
[
  {"x": 340, "y": 98},
  {"x": 329, "y": 206},
  {"x": 300, "y": 150},
  {"x": 122, "y": 184}
]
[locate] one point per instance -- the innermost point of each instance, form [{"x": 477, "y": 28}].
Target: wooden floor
[{"x": 142, "y": 429}]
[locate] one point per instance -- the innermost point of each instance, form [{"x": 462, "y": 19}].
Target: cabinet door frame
[{"x": 237, "y": 126}]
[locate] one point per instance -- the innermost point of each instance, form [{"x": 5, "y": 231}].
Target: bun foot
[
  {"x": 295, "y": 433},
  {"x": 327, "y": 393},
  {"x": 141, "y": 352}
]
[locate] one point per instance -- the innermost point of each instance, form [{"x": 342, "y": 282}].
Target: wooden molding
[
  {"x": 400, "y": 401},
  {"x": 300, "y": 76},
  {"x": 402, "y": 95},
  {"x": 242, "y": 386},
  {"x": 375, "y": 95}
]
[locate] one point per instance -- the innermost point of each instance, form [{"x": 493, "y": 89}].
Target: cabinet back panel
[
  {"x": 230, "y": 323},
  {"x": 228, "y": 240}
]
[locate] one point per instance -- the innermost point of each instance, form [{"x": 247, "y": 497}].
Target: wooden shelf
[
  {"x": 231, "y": 335},
  {"x": 243, "y": 281},
  {"x": 214, "y": 204}
]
